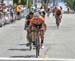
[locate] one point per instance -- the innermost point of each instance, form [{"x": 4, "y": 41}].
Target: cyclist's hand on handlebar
[{"x": 45, "y": 29}]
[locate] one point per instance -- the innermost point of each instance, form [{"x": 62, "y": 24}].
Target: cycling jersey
[
  {"x": 54, "y": 9},
  {"x": 48, "y": 9},
  {"x": 28, "y": 19},
  {"x": 58, "y": 12},
  {"x": 37, "y": 22}
]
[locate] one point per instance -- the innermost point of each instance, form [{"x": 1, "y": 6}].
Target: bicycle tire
[
  {"x": 30, "y": 47},
  {"x": 37, "y": 47},
  {"x": 58, "y": 21},
  {"x": 30, "y": 42}
]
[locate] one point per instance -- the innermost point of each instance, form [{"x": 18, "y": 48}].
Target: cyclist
[
  {"x": 28, "y": 18},
  {"x": 58, "y": 16},
  {"x": 48, "y": 11},
  {"x": 11, "y": 8},
  {"x": 37, "y": 20},
  {"x": 42, "y": 13},
  {"x": 19, "y": 9},
  {"x": 54, "y": 9}
]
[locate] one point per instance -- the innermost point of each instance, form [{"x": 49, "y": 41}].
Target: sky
[{"x": 60, "y": 3}]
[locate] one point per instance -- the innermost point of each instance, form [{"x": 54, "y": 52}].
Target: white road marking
[{"x": 3, "y": 58}]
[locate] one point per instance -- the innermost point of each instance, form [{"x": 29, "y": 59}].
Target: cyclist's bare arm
[
  {"x": 44, "y": 23},
  {"x": 26, "y": 21}
]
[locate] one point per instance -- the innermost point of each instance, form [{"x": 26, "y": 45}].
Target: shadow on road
[
  {"x": 15, "y": 49},
  {"x": 27, "y": 56},
  {"x": 22, "y": 44}
]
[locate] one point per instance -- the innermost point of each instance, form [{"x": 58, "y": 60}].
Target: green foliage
[
  {"x": 15, "y": 5},
  {"x": 24, "y": 2},
  {"x": 71, "y": 4},
  {"x": 29, "y": 3},
  {"x": 15, "y": 1}
]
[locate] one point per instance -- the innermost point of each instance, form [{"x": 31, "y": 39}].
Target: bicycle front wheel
[{"x": 37, "y": 47}]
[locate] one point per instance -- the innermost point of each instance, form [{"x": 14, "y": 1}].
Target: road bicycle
[
  {"x": 58, "y": 20},
  {"x": 37, "y": 41}
]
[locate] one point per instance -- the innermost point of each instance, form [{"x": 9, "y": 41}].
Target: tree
[
  {"x": 20, "y": 1},
  {"x": 24, "y": 2},
  {"x": 15, "y": 1},
  {"x": 71, "y": 4}
]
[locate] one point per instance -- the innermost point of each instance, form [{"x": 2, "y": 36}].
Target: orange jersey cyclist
[{"x": 37, "y": 20}]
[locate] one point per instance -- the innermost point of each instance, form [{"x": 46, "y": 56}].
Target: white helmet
[
  {"x": 58, "y": 7},
  {"x": 36, "y": 15},
  {"x": 42, "y": 10}
]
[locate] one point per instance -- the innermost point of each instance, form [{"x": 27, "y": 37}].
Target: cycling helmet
[
  {"x": 36, "y": 15},
  {"x": 42, "y": 10}
]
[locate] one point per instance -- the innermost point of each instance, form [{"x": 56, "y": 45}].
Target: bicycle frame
[{"x": 37, "y": 39}]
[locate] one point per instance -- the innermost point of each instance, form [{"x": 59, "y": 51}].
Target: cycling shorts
[{"x": 34, "y": 27}]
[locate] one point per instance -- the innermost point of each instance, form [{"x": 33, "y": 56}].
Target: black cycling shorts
[{"x": 18, "y": 13}]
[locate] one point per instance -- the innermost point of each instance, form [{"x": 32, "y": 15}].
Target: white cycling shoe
[{"x": 42, "y": 46}]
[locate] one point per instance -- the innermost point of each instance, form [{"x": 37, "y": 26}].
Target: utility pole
[{"x": 33, "y": 2}]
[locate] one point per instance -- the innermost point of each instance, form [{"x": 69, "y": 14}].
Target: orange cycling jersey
[
  {"x": 58, "y": 12},
  {"x": 37, "y": 22}
]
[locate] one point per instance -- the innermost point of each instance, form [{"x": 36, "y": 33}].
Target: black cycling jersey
[{"x": 28, "y": 19}]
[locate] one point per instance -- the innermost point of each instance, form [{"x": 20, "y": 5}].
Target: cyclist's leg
[
  {"x": 42, "y": 39},
  {"x": 57, "y": 21},
  {"x": 60, "y": 18},
  {"x": 28, "y": 39},
  {"x": 33, "y": 35},
  {"x": 27, "y": 33},
  {"x": 42, "y": 31},
  {"x": 42, "y": 36}
]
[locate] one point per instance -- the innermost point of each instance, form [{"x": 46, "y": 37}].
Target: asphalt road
[{"x": 59, "y": 43}]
